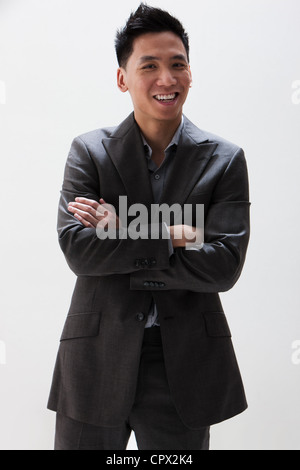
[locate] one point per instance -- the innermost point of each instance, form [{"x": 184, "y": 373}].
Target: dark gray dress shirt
[{"x": 158, "y": 177}]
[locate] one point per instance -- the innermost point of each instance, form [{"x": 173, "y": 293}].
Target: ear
[{"x": 121, "y": 79}]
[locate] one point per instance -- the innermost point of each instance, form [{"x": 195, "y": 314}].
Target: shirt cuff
[
  {"x": 171, "y": 248},
  {"x": 196, "y": 247}
]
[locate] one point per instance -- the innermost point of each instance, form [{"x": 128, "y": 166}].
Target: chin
[{"x": 169, "y": 116}]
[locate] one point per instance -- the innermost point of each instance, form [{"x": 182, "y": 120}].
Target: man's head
[
  {"x": 153, "y": 53},
  {"x": 147, "y": 19}
]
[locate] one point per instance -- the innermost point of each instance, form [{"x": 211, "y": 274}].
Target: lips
[{"x": 167, "y": 98}]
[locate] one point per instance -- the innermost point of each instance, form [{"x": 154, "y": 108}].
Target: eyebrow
[{"x": 147, "y": 58}]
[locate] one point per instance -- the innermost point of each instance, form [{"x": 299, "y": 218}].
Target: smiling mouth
[{"x": 166, "y": 98}]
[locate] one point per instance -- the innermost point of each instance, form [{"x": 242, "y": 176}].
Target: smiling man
[
  {"x": 146, "y": 345},
  {"x": 158, "y": 77}
]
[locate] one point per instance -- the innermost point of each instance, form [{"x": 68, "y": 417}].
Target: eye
[
  {"x": 149, "y": 67},
  {"x": 179, "y": 65}
]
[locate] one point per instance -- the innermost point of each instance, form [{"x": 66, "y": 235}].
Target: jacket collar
[{"x": 125, "y": 148}]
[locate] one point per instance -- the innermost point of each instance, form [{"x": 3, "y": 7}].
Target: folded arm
[
  {"x": 85, "y": 252},
  {"x": 218, "y": 265}
]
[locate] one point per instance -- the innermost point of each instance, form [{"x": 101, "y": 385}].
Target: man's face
[{"x": 157, "y": 76}]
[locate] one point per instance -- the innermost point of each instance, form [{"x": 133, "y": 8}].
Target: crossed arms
[
  {"x": 93, "y": 214},
  {"x": 214, "y": 268}
]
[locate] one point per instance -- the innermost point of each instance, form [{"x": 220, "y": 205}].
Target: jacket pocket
[
  {"x": 216, "y": 324},
  {"x": 81, "y": 325}
]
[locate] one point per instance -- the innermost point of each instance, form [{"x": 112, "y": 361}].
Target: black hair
[{"x": 146, "y": 19}]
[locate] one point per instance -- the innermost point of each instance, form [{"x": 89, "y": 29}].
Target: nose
[{"x": 166, "y": 78}]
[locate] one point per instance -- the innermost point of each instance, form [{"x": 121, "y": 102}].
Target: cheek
[
  {"x": 140, "y": 95},
  {"x": 188, "y": 79},
  {"x": 143, "y": 89},
  {"x": 185, "y": 83}
]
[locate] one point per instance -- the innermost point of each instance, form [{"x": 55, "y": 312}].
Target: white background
[{"x": 58, "y": 80}]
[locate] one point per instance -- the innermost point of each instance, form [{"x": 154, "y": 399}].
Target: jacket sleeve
[
  {"x": 218, "y": 265},
  {"x": 85, "y": 252}
]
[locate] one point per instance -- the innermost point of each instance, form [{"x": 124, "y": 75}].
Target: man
[{"x": 146, "y": 345}]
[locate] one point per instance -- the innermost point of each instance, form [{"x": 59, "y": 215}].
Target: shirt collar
[{"x": 174, "y": 141}]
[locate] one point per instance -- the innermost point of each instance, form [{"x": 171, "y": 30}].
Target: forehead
[{"x": 166, "y": 44}]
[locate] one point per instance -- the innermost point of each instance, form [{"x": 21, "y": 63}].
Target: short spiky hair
[{"x": 146, "y": 20}]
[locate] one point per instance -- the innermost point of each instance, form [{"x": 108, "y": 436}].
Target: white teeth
[{"x": 165, "y": 97}]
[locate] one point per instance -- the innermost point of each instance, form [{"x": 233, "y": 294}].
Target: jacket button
[{"x": 140, "y": 317}]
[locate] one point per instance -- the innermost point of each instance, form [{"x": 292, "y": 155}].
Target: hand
[
  {"x": 92, "y": 214},
  {"x": 183, "y": 235}
]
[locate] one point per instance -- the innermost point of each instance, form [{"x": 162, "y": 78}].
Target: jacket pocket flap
[
  {"x": 81, "y": 325},
  {"x": 216, "y": 324}
]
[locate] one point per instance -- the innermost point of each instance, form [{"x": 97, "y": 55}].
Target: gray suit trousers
[{"x": 153, "y": 417}]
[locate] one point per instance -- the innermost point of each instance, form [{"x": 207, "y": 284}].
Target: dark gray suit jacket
[{"x": 98, "y": 360}]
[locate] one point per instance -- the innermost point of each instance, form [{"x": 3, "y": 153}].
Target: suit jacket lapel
[
  {"x": 126, "y": 150},
  {"x": 193, "y": 154}
]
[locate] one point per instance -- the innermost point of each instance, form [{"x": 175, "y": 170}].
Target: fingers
[
  {"x": 83, "y": 221},
  {"x": 86, "y": 208},
  {"x": 89, "y": 204},
  {"x": 92, "y": 214},
  {"x": 186, "y": 235},
  {"x": 85, "y": 200},
  {"x": 84, "y": 214},
  {"x": 87, "y": 211}
]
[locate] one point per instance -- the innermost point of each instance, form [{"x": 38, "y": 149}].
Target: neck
[{"x": 158, "y": 133}]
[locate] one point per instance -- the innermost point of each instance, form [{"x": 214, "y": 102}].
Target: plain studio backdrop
[{"x": 58, "y": 80}]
